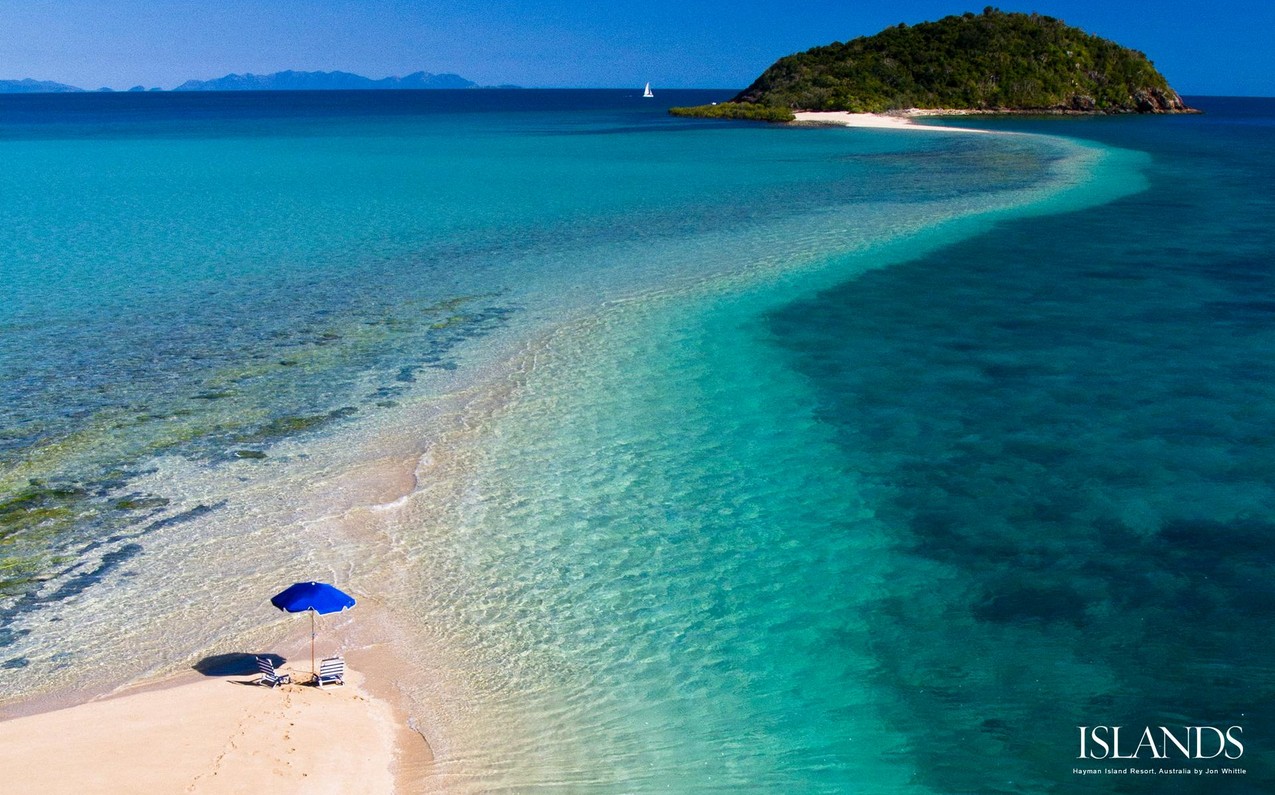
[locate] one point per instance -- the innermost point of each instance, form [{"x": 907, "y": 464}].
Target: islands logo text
[{"x": 1160, "y": 742}]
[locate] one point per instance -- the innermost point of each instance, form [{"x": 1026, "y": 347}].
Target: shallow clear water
[
  {"x": 200, "y": 278},
  {"x": 688, "y": 398}
]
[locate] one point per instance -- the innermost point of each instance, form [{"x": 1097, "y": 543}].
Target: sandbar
[
  {"x": 205, "y": 734},
  {"x": 904, "y": 120}
]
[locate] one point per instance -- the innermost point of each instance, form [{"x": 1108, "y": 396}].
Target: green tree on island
[{"x": 994, "y": 61}]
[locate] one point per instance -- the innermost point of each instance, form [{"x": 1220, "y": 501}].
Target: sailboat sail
[{"x": 647, "y": 92}]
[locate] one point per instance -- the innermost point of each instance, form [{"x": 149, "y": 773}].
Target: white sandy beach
[
  {"x": 903, "y": 121},
  {"x": 208, "y": 735}
]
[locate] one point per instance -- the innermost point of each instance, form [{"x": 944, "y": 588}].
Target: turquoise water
[
  {"x": 1075, "y": 452},
  {"x": 749, "y": 457}
]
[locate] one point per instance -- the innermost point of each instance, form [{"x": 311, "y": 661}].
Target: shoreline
[
  {"x": 211, "y": 734},
  {"x": 180, "y": 715},
  {"x": 206, "y": 737},
  {"x": 905, "y": 120},
  {"x": 908, "y": 119}
]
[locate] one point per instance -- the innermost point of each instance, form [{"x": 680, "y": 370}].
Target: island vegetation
[
  {"x": 753, "y": 111},
  {"x": 990, "y": 62}
]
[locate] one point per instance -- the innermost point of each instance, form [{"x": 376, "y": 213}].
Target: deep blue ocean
[
  {"x": 1068, "y": 418},
  {"x": 751, "y": 457}
]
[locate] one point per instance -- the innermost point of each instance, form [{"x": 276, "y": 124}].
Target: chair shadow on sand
[{"x": 238, "y": 664}]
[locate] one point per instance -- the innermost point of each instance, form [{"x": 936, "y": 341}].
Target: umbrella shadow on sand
[{"x": 238, "y": 664}]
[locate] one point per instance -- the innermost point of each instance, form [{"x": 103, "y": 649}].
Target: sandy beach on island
[
  {"x": 901, "y": 121},
  {"x": 215, "y": 734}
]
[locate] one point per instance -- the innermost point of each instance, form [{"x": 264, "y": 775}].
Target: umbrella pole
[{"x": 312, "y": 673}]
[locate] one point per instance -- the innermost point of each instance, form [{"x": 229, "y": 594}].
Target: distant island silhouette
[{"x": 276, "y": 81}]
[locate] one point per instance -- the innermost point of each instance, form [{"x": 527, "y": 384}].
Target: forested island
[{"x": 990, "y": 62}]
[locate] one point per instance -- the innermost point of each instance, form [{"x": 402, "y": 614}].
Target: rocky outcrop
[{"x": 1155, "y": 100}]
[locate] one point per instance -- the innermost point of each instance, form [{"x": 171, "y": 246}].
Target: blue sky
[{"x": 1202, "y": 46}]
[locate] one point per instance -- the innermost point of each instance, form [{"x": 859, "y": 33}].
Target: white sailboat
[{"x": 647, "y": 92}]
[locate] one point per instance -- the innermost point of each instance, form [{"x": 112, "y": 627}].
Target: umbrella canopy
[
  {"x": 317, "y": 596},
  {"x": 312, "y": 597}
]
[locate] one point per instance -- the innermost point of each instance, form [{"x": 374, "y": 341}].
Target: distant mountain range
[
  {"x": 30, "y": 86},
  {"x": 324, "y": 81},
  {"x": 278, "y": 81}
]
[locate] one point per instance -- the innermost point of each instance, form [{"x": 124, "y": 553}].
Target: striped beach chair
[
  {"x": 331, "y": 672},
  {"x": 269, "y": 676}
]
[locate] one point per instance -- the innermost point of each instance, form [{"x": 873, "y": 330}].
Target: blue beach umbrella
[{"x": 312, "y": 597}]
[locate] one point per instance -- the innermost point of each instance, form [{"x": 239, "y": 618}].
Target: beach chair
[
  {"x": 269, "y": 676},
  {"x": 331, "y": 672}
]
